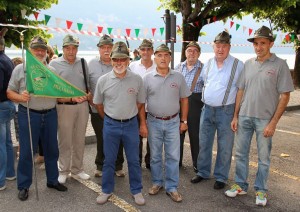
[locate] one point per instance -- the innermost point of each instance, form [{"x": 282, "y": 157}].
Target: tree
[
  {"x": 10, "y": 13},
  {"x": 288, "y": 20},
  {"x": 198, "y": 11}
]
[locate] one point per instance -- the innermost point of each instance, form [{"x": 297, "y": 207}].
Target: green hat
[
  {"x": 162, "y": 48},
  {"x": 263, "y": 32},
  {"x": 119, "y": 50},
  {"x": 146, "y": 44},
  {"x": 105, "y": 40},
  {"x": 194, "y": 44},
  {"x": 70, "y": 40},
  {"x": 38, "y": 42},
  {"x": 223, "y": 37}
]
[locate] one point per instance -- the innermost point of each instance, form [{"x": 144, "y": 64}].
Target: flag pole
[{"x": 28, "y": 115}]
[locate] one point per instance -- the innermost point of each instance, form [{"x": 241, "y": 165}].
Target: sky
[{"x": 138, "y": 14}]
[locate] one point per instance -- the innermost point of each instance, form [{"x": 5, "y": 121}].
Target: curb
[{"x": 292, "y": 107}]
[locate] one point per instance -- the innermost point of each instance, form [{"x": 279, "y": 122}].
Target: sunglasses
[{"x": 119, "y": 59}]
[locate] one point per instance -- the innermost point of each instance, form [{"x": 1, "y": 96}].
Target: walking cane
[{"x": 28, "y": 116}]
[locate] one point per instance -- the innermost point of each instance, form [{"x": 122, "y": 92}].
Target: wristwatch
[{"x": 185, "y": 122}]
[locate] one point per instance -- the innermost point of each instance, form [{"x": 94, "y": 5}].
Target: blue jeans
[
  {"x": 215, "y": 119},
  {"x": 115, "y": 132},
  {"x": 164, "y": 135},
  {"x": 43, "y": 126},
  {"x": 7, "y": 111},
  {"x": 246, "y": 127}
]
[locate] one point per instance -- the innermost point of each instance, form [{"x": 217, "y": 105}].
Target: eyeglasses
[{"x": 119, "y": 60}]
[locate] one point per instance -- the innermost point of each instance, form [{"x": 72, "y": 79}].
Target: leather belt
[
  {"x": 165, "y": 118},
  {"x": 37, "y": 111},
  {"x": 67, "y": 103},
  {"x": 120, "y": 120}
]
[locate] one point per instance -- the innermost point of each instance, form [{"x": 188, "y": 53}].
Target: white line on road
[{"x": 289, "y": 132}]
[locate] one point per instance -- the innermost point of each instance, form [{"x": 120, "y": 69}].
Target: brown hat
[
  {"x": 194, "y": 44},
  {"x": 119, "y": 50},
  {"x": 38, "y": 42},
  {"x": 146, "y": 44},
  {"x": 263, "y": 32},
  {"x": 162, "y": 48},
  {"x": 105, "y": 40},
  {"x": 70, "y": 40},
  {"x": 223, "y": 37}
]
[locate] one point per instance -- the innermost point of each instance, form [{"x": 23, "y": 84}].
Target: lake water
[{"x": 204, "y": 57}]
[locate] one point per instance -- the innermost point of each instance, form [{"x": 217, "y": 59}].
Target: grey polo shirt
[
  {"x": 262, "y": 84},
  {"x": 73, "y": 73},
  {"x": 163, "y": 94},
  {"x": 97, "y": 69},
  {"x": 17, "y": 84},
  {"x": 120, "y": 95}
]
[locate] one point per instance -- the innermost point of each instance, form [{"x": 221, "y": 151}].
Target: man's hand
[
  {"x": 270, "y": 129},
  {"x": 183, "y": 127},
  {"x": 234, "y": 124},
  {"x": 80, "y": 99},
  {"x": 144, "y": 131},
  {"x": 25, "y": 96}
]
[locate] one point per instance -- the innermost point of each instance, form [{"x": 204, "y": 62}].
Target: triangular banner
[
  {"x": 79, "y": 26},
  {"x": 292, "y": 37},
  {"x": 162, "y": 29},
  {"x": 23, "y": 13},
  {"x": 47, "y": 18},
  {"x": 109, "y": 30},
  {"x": 36, "y": 15},
  {"x": 153, "y": 31},
  {"x": 214, "y": 18},
  {"x": 274, "y": 36},
  {"x": 90, "y": 28},
  {"x": 69, "y": 24},
  {"x": 237, "y": 26},
  {"x": 119, "y": 31},
  {"x": 287, "y": 37},
  {"x": 57, "y": 21},
  {"x": 196, "y": 23},
  {"x": 250, "y": 31},
  {"x": 231, "y": 23},
  {"x": 137, "y": 32},
  {"x": 145, "y": 32},
  {"x": 244, "y": 28},
  {"x": 100, "y": 28},
  {"x": 208, "y": 20},
  {"x": 128, "y": 32}
]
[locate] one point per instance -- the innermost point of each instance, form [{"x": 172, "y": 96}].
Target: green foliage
[{"x": 10, "y": 13}]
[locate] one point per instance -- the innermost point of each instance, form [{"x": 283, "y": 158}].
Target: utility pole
[{"x": 170, "y": 32}]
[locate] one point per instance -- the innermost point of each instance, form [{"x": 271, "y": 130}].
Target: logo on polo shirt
[
  {"x": 173, "y": 85},
  {"x": 270, "y": 72},
  {"x": 131, "y": 91}
]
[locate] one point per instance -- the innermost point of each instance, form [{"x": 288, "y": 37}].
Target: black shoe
[
  {"x": 219, "y": 185},
  {"x": 148, "y": 166},
  {"x": 23, "y": 194},
  {"x": 197, "y": 179},
  {"x": 195, "y": 169},
  {"x": 58, "y": 186}
]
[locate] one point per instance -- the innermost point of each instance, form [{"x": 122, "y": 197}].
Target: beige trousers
[{"x": 72, "y": 123}]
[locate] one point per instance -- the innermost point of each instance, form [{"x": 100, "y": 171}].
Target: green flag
[{"x": 41, "y": 81}]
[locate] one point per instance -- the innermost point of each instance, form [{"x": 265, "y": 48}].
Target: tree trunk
[
  {"x": 296, "y": 75},
  {"x": 189, "y": 33}
]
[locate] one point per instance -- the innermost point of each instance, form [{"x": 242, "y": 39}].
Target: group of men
[{"x": 147, "y": 99}]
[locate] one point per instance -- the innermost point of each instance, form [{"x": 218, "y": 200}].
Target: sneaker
[
  {"x": 120, "y": 173},
  {"x": 139, "y": 199},
  {"x": 62, "y": 178},
  {"x": 175, "y": 196},
  {"x": 155, "y": 189},
  {"x": 11, "y": 178},
  {"x": 102, "y": 198},
  {"x": 82, "y": 175},
  {"x": 235, "y": 190},
  {"x": 2, "y": 188},
  {"x": 261, "y": 198},
  {"x": 98, "y": 173}
]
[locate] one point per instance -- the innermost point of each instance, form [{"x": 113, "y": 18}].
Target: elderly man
[
  {"x": 258, "y": 109},
  {"x": 43, "y": 121},
  {"x": 72, "y": 112},
  {"x": 141, "y": 67},
  {"x": 7, "y": 112},
  {"x": 220, "y": 75},
  {"x": 119, "y": 96},
  {"x": 166, "y": 94},
  {"x": 97, "y": 68},
  {"x": 191, "y": 69}
]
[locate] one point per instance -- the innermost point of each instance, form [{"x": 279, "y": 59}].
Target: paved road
[{"x": 284, "y": 184}]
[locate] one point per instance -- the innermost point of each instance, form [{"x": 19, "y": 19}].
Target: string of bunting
[{"x": 98, "y": 34}]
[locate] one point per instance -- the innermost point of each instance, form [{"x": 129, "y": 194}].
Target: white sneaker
[
  {"x": 2, "y": 188},
  {"x": 62, "y": 178},
  {"x": 98, "y": 173},
  {"x": 82, "y": 175},
  {"x": 235, "y": 190},
  {"x": 120, "y": 173},
  {"x": 139, "y": 199},
  {"x": 261, "y": 198},
  {"x": 11, "y": 178},
  {"x": 102, "y": 198}
]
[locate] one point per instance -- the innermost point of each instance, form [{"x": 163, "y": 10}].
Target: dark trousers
[
  {"x": 195, "y": 108},
  {"x": 147, "y": 156},
  {"x": 97, "y": 123}
]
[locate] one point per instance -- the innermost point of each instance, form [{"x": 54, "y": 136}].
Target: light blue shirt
[{"x": 216, "y": 81}]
